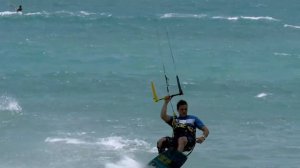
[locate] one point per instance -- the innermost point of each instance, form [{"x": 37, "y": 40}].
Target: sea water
[{"x": 75, "y": 81}]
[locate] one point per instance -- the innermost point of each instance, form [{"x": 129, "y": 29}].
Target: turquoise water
[{"x": 75, "y": 81}]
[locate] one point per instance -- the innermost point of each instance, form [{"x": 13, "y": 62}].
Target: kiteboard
[{"x": 168, "y": 159}]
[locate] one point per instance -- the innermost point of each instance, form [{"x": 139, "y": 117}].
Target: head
[{"x": 182, "y": 108}]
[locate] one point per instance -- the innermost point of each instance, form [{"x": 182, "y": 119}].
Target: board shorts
[{"x": 172, "y": 142}]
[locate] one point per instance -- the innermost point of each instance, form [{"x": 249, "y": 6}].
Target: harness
[{"x": 180, "y": 129}]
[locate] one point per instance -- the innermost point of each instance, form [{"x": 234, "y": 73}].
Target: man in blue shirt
[{"x": 184, "y": 129}]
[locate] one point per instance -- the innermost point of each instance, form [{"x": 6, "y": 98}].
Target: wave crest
[
  {"x": 230, "y": 18},
  {"x": 234, "y": 18},
  {"x": 292, "y": 26},
  {"x": 182, "y": 15},
  {"x": 46, "y": 14}
]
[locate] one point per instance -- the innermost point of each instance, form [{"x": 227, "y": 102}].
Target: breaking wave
[
  {"x": 292, "y": 26},
  {"x": 235, "y": 18},
  {"x": 56, "y": 13},
  {"x": 178, "y": 15},
  {"x": 230, "y": 18}
]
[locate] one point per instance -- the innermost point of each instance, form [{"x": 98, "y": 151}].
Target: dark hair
[{"x": 180, "y": 103}]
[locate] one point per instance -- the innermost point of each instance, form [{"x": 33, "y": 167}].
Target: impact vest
[
  {"x": 182, "y": 129},
  {"x": 185, "y": 126}
]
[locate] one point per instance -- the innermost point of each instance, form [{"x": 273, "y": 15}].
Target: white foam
[
  {"x": 179, "y": 15},
  {"x": 153, "y": 150},
  {"x": 9, "y": 13},
  {"x": 259, "y": 18},
  {"x": 292, "y": 26},
  {"x": 112, "y": 121},
  {"x": 112, "y": 143},
  {"x": 282, "y": 54},
  {"x": 261, "y": 95},
  {"x": 43, "y": 13},
  {"x": 65, "y": 12},
  {"x": 65, "y": 140},
  {"x": 225, "y": 18},
  {"x": 188, "y": 83},
  {"x": 235, "y": 18},
  {"x": 87, "y": 13},
  {"x": 125, "y": 162},
  {"x": 81, "y": 13},
  {"x": 117, "y": 143},
  {"x": 55, "y": 13},
  {"x": 106, "y": 14},
  {"x": 9, "y": 104}
]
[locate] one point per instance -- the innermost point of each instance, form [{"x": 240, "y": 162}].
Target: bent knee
[
  {"x": 183, "y": 140},
  {"x": 160, "y": 141}
]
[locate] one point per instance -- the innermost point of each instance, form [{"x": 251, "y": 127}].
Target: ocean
[{"x": 75, "y": 81}]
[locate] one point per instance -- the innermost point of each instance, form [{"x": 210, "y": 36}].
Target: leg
[
  {"x": 160, "y": 144},
  {"x": 163, "y": 144},
  {"x": 182, "y": 141},
  {"x": 190, "y": 144}
]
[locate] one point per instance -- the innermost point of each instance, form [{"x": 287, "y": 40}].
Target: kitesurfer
[
  {"x": 184, "y": 128},
  {"x": 20, "y": 8}
]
